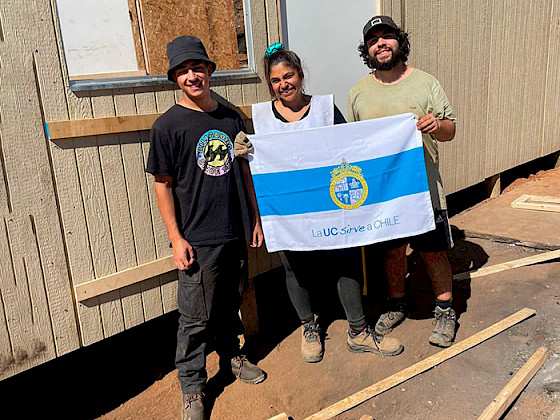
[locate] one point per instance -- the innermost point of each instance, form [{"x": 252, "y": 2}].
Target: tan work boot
[
  {"x": 369, "y": 341},
  {"x": 388, "y": 321},
  {"x": 311, "y": 347},
  {"x": 444, "y": 330},
  {"x": 193, "y": 407}
]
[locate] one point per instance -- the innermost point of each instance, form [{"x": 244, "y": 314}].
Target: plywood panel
[
  {"x": 151, "y": 293},
  {"x": 121, "y": 225},
  {"x": 26, "y": 162},
  {"x": 551, "y": 132},
  {"x": 213, "y": 22},
  {"x": 24, "y": 295},
  {"x": 515, "y": 99}
]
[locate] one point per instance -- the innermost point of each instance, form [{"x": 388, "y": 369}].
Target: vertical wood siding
[
  {"x": 77, "y": 209},
  {"x": 497, "y": 61}
]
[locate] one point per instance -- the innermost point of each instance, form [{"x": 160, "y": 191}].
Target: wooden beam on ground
[
  {"x": 484, "y": 271},
  {"x": 366, "y": 417},
  {"x": 124, "y": 278},
  {"x": 282, "y": 416},
  {"x": 111, "y": 125},
  {"x": 514, "y": 387},
  {"x": 537, "y": 202},
  {"x": 420, "y": 367}
]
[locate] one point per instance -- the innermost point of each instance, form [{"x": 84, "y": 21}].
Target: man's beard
[{"x": 396, "y": 57}]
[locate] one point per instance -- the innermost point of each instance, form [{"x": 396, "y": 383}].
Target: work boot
[
  {"x": 311, "y": 348},
  {"x": 193, "y": 407},
  {"x": 369, "y": 341},
  {"x": 246, "y": 371},
  {"x": 389, "y": 320},
  {"x": 444, "y": 330}
]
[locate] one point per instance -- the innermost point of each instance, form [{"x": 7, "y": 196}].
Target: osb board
[{"x": 211, "y": 21}]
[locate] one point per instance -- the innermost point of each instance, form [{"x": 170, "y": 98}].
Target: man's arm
[
  {"x": 257, "y": 229},
  {"x": 442, "y": 130},
  {"x": 182, "y": 250}
]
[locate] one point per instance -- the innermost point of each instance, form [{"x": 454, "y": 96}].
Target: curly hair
[
  {"x": 404, "y": 49},
  {"x": 289, "y": 58}
]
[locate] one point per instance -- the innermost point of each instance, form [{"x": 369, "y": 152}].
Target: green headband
[{"x": 273, "y": 49}]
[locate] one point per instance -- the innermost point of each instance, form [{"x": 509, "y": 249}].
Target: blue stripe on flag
[{"x": 308, "y": 190}]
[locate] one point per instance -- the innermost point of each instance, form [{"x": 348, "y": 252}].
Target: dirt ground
[{"x": 459, "y": 388}]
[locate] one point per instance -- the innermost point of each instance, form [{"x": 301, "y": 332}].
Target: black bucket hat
[
  {"x": 185, "y": 48},
  {"x": 379, "y": 21}
]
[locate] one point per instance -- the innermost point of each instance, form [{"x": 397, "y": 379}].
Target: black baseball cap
[
  {"x": 185, "y": 48},
  {"x": 378, "y": 21}
]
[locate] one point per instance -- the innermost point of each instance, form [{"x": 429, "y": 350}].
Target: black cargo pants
[{"x": 209, "y": 297}]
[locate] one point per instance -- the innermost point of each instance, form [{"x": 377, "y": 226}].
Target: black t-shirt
[{"x": 196, "y": 149}]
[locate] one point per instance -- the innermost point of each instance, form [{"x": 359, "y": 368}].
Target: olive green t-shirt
[{"x": 420, "y": 93}]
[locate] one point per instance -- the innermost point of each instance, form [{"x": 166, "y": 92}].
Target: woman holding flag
[{"x": 291, "y": 109}]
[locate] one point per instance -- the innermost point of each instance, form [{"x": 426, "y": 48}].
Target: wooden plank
[
  {"x": 124, "y": 278},
  {"x": 282, "y": 416},
  {"x": 493, "y": 186},
  {"x": 98, "y": 126},
  {"x": 132, "y": 73},
  {"x": 366, "y": 417},
  {"x": 422, "y": 366},
  {"x": 503, "y": 400},
  {"x": 484, "y": 271},
  {"x": 260, "y": 43},
  {"x": 537, "y": 202},
  {"x": 111, "y": 125}
]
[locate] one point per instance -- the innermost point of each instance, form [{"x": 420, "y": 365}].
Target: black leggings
[{"x": 305, "y": 268}]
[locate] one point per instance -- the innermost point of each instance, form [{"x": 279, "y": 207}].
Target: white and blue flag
[{"x": 342, "y": 186}]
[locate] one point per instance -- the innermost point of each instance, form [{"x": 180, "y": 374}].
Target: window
[{"x": 112, "y": 43}]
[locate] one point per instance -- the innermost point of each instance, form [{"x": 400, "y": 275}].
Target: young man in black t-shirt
[{"x": 209, "y": 214}]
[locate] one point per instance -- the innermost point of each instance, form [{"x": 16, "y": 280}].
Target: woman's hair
[
  {"x": 281, "y": 56},
  {"x": 404, "y": 49}
]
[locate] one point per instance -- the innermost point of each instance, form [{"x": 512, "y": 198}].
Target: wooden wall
[
  {"x": 78, "y": 209},
  {"x": 498, "y": 62}
]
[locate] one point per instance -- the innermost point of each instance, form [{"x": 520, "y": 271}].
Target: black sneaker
[
  {"x": 246, "y": 371},
  {"x": 193, "y": 407}
]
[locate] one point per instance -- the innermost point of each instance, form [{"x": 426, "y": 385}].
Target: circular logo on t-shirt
[{"x": 214, "y": 153}]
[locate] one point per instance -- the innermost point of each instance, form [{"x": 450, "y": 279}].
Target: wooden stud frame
[{"x": 537, "y": 202}]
